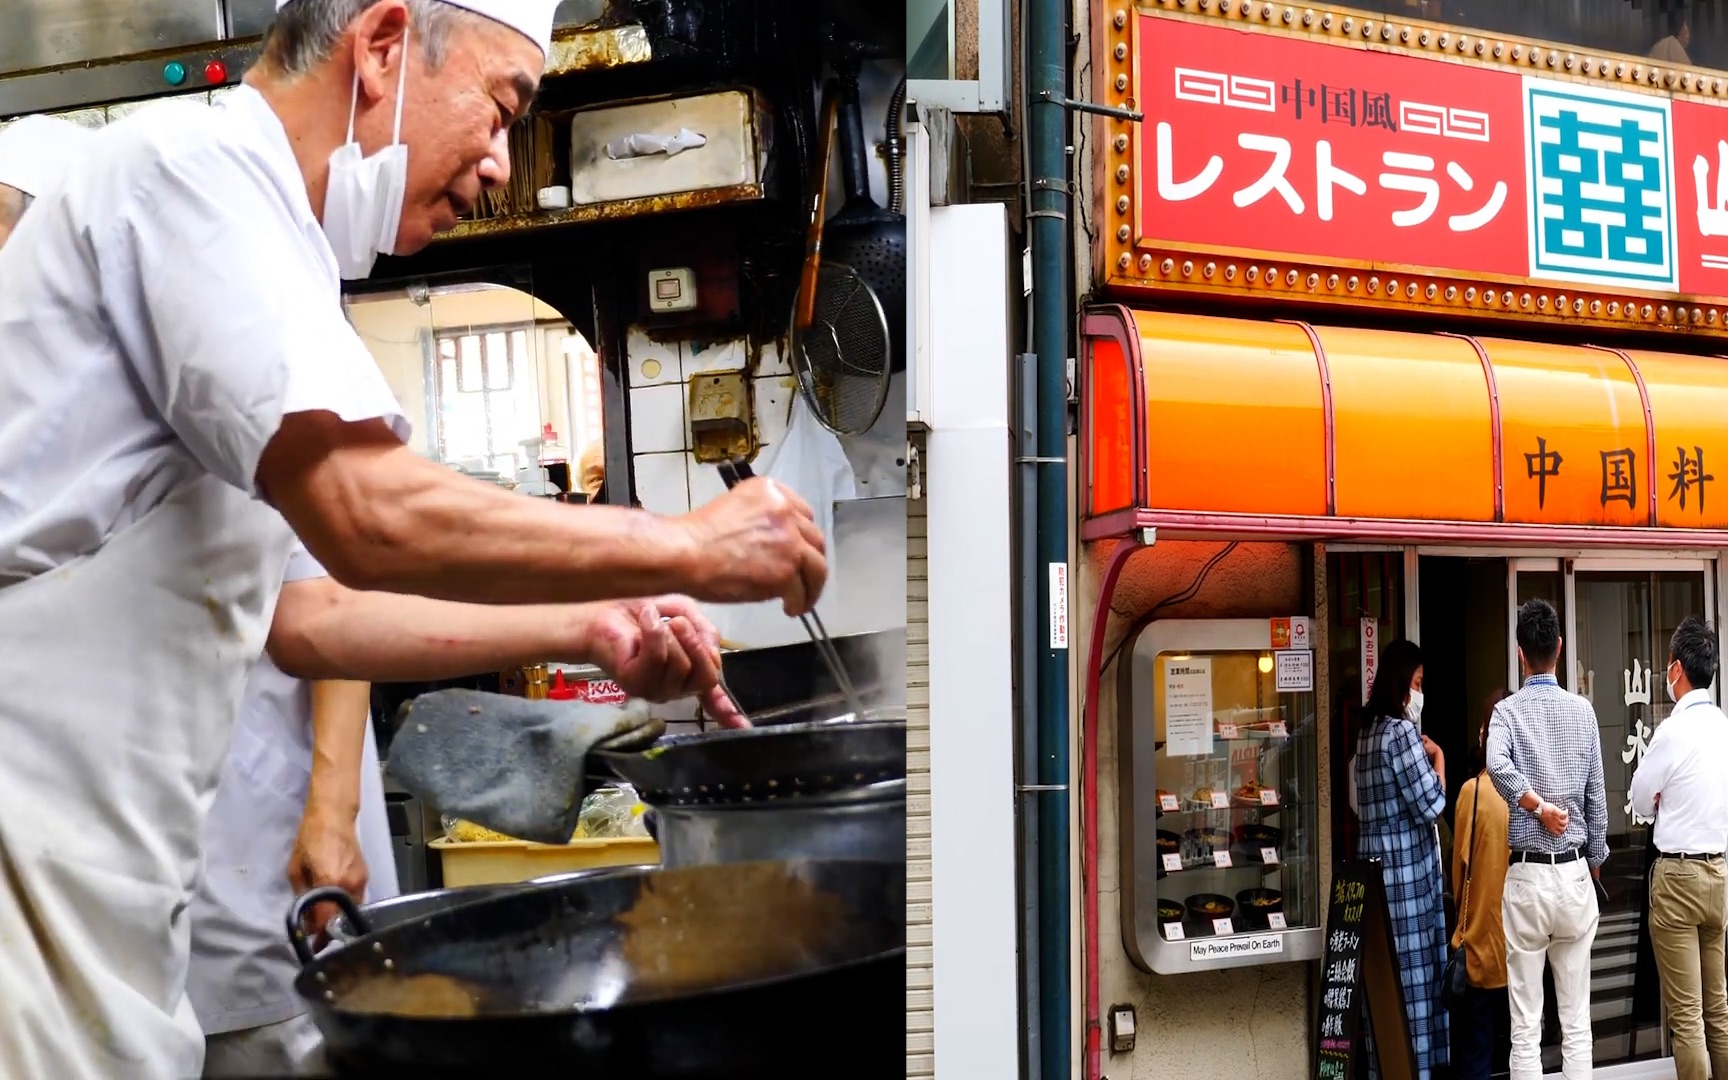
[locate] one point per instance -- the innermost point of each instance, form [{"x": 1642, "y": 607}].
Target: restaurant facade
[{"x": 1398, "y": 319}]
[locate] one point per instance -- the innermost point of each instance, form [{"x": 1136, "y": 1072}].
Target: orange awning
[{"x": 1210, "y": 426}]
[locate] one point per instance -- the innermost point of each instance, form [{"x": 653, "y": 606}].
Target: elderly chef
[
  {"x": 178, "y": 369},
  {"x": 300, "y": 802}
]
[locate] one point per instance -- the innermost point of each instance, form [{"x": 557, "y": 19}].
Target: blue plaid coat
[{"x": 1401, "y": 799}]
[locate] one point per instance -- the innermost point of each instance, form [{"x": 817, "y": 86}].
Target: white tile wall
[
  {"x": 657, "y": 424},
  {"x": 773, "y": 359},
  {"x": 662, "y": 482},
  {"x": 659, "y": 402},
  {"x": 701, "y": 356},
  {"x": 705, "y": 482},
  {"x": 653, "y": 363},
  {"x": 774, "y": 394}
]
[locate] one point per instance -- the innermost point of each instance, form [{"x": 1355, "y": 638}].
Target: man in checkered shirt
[{"x": 1545, "y": 757}]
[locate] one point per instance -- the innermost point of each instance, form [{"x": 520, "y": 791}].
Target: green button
[{"x": 174, "y": 73}]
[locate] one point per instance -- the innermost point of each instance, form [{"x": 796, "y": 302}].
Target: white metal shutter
[{"x": 920, "y": 1006}]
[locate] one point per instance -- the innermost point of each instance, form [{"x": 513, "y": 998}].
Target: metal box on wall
[{"x": 736, "y": 140}]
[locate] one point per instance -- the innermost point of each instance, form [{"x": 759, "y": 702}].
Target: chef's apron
[
  {"x": 120, "y": 677},
  {"x": 243, "y": 969}
]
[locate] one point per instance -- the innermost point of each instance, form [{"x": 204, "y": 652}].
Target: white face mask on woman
[
  {"x": 1413, "y": 711},
  {"x": 363, "y": 196}
]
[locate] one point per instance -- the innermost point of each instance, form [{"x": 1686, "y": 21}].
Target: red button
[{"x": 216, "y": 72}]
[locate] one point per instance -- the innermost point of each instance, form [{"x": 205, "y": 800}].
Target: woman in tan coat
[{"x": 1481, "y": 1023}]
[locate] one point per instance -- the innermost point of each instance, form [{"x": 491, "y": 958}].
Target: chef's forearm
[
  {"x": 340, "y": 712},
  {"x": 381, "y": 518},
  {"x": 324, "y": 630}
]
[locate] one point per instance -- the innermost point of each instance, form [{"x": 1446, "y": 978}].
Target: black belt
[
  {"x": 1711, "y": 857},
  {"x": 1547, "y": 858}
]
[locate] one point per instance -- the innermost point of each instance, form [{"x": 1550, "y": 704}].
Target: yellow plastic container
[{"x": 497, "y": 862}]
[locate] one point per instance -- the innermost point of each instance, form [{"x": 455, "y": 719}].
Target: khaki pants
[
  {"x": 1687, "y": 899},
  {"x": 290, "y": 1048}
]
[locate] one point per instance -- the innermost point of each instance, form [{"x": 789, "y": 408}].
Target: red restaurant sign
[{"x": 1259, "y": 146}]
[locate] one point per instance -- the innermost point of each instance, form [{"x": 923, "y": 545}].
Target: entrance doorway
[
  {"x": 1616, "y": 619},
  {"x": 1617, "y": 615}
]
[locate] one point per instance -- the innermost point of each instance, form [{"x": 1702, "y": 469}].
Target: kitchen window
[{"x": 487, "y": 397}]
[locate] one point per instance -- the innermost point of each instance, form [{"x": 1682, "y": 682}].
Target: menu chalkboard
[{"x": 1360, "y": 964}]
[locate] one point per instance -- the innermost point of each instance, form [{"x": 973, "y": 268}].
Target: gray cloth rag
[{"x": 510, "y": 764}]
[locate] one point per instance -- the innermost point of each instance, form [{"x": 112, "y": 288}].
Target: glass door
[{"x": 1617, "y": 619}]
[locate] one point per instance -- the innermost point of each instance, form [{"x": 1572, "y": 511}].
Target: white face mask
[
  {"x": 1413, "y": 711},
  {"x": 363, "y": 196},
  {"x": 1666, "y": 682}
]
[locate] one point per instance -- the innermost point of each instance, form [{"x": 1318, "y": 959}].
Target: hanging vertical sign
[{"x": 1370, "y": 639}]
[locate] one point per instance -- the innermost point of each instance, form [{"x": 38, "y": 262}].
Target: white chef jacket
[
  {"x": 242, "y": 973},
  {"x": 159, "y": 315},
  {"x": 1687, "y": 764}
]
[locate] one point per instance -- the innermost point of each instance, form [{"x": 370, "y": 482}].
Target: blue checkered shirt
[{"x": 1544, "y": 739}]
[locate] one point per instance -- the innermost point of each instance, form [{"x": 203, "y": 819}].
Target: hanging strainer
[{"x": 842, "y": 359}]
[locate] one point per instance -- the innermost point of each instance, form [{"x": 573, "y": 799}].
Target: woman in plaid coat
[{"x": 1401, "y": 785}]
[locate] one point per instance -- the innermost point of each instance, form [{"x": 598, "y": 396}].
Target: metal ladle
[{"x": 735, "y": 473}]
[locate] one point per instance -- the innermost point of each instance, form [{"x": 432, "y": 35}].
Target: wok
[
  {"x": 783, "y": 675},
  {"x": 758, "y": 971},
  {"x": 760, "y": 764},
  {"x": 408, "y": 907}
]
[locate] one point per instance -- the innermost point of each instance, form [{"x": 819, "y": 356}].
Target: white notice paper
[
  {"x": 1295, "y": 670},
  {"x": 1188, "y": 707}
]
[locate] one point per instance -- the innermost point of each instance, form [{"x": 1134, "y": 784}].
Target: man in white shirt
[
  {"x": 1683, "y": 783},
  {"x": 178, "y": 370},
  {"x": 300, "y": 802}
]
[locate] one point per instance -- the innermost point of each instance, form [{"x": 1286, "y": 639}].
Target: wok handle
[{"x": 324, "y": 894}]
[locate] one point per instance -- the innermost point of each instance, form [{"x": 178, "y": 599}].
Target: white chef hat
[
  {"x": 35, "y": 151},
  {"x": 533, "y": 18}
]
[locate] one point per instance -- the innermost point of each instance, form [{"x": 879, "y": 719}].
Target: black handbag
[{"x": 1456, "y": 981}]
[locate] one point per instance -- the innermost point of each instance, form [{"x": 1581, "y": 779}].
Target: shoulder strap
[{"x": 1470, "y": 849}]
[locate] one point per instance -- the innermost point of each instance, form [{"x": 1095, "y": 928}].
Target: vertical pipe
[{"x": 1047, "y": 151}]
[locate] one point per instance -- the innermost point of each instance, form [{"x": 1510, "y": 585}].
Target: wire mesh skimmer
[{"x": 842, "y": 360}]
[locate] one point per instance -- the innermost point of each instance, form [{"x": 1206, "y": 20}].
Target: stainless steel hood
[{"x": 58, "y": 55}]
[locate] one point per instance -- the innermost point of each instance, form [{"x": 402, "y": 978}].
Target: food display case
[{"x": 1219, "y": 777}]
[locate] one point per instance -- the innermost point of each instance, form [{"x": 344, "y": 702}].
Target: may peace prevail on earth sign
[{"x": 1270, "y": 145}]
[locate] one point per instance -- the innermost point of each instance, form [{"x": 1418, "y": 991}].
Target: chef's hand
[
  {"x": 327, "y": 852},
  {"x": 758, "y": 541},
  {"x": 660, "y": 649}
]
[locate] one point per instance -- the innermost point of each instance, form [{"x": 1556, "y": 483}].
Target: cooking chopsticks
[{"x": 735, "y": 473}]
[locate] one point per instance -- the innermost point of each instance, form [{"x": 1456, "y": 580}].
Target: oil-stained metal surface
[
  {"x": 591, "y": 50},
  {"x": 616, "y": 211},
  {"x": 720, "y": 411}
]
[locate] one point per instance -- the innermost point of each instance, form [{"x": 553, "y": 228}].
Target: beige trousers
[
  {"x": 1687, "y": 900},
  {"x": 290, "y": 1048}
]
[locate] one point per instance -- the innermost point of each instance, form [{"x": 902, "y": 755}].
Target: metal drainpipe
[{"x": 1047, "y": 153}]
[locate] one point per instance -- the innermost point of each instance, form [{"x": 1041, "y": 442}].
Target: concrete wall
[{"x": 1244, "y": 1024}]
